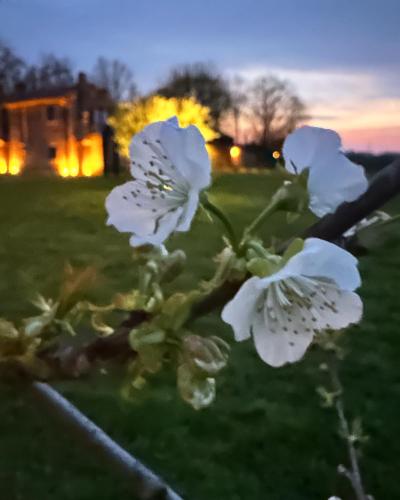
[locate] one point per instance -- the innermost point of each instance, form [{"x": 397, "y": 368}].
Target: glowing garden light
[
  {"x": 235, "y": 152},
  {"x": 276, "y": 155}
]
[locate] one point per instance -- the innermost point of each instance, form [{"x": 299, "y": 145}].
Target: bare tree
[
  {"x": 50, "y": 72},
  {"x": 116, "y": 77},
  {"x": 238, "y": 98},
  {"x": 201, "y": 81},
  {"x": 11, "y": 68},
  {"x": 274, "y": 109}
]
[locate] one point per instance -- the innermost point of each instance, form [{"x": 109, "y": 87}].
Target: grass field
[{"x": 266, "y": 437}]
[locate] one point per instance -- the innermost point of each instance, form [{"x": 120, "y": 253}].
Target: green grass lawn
[{"x": 266, "y": 437}]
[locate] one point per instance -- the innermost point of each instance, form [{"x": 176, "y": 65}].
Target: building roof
[
  {"x": 82, "y": 85},
  {"x": 22, "y": 95}
]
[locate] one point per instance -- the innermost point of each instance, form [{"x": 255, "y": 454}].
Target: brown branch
[
  {"x": 66, "y": 362},
  {"x": 383, "y": 187},
  {"x": 108, "y": 347}
]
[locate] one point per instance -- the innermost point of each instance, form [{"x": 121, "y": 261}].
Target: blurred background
[
  {"x": 77, "y": 79},
  {"x": 257, "y": 69}
]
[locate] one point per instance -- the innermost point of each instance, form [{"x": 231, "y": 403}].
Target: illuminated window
[
  {"x": 51, "y": 113},
  {"x": 52, "y": 152}
]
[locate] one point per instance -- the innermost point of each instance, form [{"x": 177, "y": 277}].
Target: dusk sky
[{"x": 343, "y": 56}]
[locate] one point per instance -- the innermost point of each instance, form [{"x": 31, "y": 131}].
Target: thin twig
[
  {"x": 353, "y": 475},
  {"x": 145, "y": 484}
]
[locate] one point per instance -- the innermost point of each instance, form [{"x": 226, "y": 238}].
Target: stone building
[{"x": 59, "y": 131}]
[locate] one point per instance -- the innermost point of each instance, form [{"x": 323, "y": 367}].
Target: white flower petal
[
  {"x": 295, "y": 309},
  {"x": 189, "y": 212},
  {"x": 162, "y": 229},
  {"x": 135, "y": 212},
  {"x": 276, "y": 346},
  {"x": 170, "y": 166},
  {"x": 319, "y": 258},
  {"x": 121, "y": 205},
  {"x": 149, "y": 160},
  {"x": 185, "y": 147},
  {"x": 306, "y": 144},
  {"x": 310, "y": 294},
  {"x": 334, "y": 180},
  {"x": 240, "y": 310}
]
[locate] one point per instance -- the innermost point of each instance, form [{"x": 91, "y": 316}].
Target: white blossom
[
  {"x": 169, "y": 166},
  {"x": 311, "y": 293},
  {"x": 333, "y": 178}
]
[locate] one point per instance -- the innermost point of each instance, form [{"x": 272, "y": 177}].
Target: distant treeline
[{"x": 372, "y": 163}]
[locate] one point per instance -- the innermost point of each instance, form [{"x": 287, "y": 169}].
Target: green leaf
[
  {"x": 76, "y": 283},
  {"x": 8, "y": 330},
  {"x": 152, "y": 357},
  {"x": 99, "y": 324},
  {"x": 34, "y": 326},
  {"x": 41, "y": 303}
]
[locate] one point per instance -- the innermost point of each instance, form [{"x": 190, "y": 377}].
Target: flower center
[{"x": 299, "y": 304}]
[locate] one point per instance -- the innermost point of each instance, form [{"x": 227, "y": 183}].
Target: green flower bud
[
  {"x": 176, "y": 309},
  {"x": 139, "y": 337},
  {"x": 328, "y": 398},
  {"x": 152, "y": 267},
  {"x": 151, "y": 357},
  {"x": 208, "y": 355},
  {"x": 198, "y": 391},
  {"x": 292, "y": 196},
  {"x": 260, "y": 267},
  {"x": 295, "y": 247}
]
